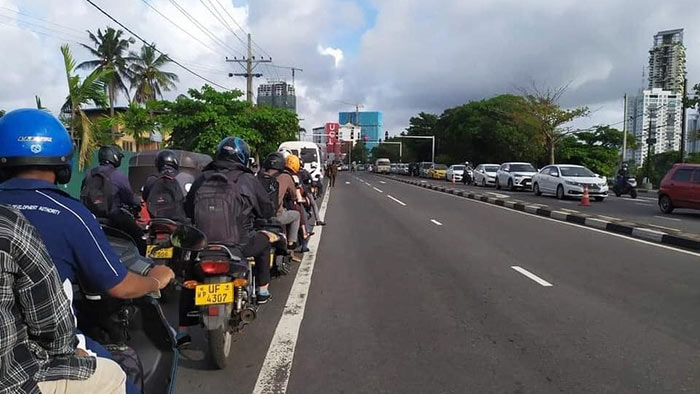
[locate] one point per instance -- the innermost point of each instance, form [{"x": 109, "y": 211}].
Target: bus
[{"x": 310, "y": 153}]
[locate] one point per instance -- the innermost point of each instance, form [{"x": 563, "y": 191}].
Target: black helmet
[
  {"x": 167, "y": 158},
  {"x": 110, "y": 154},
  {"x": 274, "y": 161},
  {"x": 233, "y": 149}
]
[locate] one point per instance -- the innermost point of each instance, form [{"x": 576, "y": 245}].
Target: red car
[{"x": 680, "y": 188}]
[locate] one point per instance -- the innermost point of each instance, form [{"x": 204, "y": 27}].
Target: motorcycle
[
  {"x": 628, "y": 186},
  {"x": 468, "y": 177},
  {"x": 280, "y": 257},
  {"x": 135, "y": 331},
  {"x": 160, "y": 249}
]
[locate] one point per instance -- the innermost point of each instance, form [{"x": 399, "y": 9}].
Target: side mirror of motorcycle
[{"x": 188, "y": 238}]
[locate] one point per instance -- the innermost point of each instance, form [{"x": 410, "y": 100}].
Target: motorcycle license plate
[
  {"x": 165, "y": 253},
  {"x": 214, "y": 293}
]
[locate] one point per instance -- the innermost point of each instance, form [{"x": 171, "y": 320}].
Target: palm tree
[
  {"x": 92, "y": 89},
  {"x": 110, "y": 50},
  {"x": 146, "y": 76}
]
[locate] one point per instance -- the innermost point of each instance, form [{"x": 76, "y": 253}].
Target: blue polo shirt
[{"x": 72, "y": 235}]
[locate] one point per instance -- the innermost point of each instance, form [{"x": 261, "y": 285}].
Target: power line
[
  {"x": 44, "y": 21},
  {"x": 178, "y": 26},
  {"x": 154, "y": 48},
  {"x": 215, "y": 12},
  {"x": 51, "y": 35},
  {"x": 201, "y": 27}
]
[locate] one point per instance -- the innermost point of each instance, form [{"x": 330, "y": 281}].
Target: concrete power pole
[{"x": 250, "y": 63}]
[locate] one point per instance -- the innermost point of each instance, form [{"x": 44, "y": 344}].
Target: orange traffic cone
[{"x": 585, "y": 200}]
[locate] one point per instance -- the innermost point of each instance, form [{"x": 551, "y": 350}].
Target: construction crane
[
  {"x": 357, "y": 110},
  {"x": 294, "y": 70}
]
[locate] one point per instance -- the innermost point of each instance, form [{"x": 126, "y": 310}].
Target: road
[
  {"x": 415, "y": 291},
  {"x": 642, "y": 210}
]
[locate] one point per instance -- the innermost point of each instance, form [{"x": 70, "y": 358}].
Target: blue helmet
[
  {"x": 233, "y": 149},
  {"x": 31, "y": 137}
]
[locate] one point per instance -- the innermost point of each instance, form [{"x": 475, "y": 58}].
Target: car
[
  {"x": 455, "y": 173},
  {"x": 394, "y": 168},
  {"x": 680, "y": 188},
  {"x": 515, "y": 175},
  {"x": 485, "y": 174},
  {"x": 344, "y": 167},
  {"x": 403, "y": 168},
  {"x": 437, "y": 171},
  {"x": 423, "y": 168},
  {"x": 565, "y": 180}
]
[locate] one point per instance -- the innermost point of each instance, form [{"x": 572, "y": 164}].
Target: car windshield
[
  {"x": 440, "y": 167},
  {"x": 576, "y": 172},
  {"x": 490, "y": 168},
  {"x": 458, "y": 168},
  {"x": 308, "y": 155},
  {"x": 522, "y": 168},
  {"x": 383, "y": 162}
]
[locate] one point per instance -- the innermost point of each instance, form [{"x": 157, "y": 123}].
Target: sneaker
[
  {"x": 304, "y": 249},
  {"x": 183, "y": 339},
  {"x": 320, "y": 223},
  {"x": 264, "y": 298}
]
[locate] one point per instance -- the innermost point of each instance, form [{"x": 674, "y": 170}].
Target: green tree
[
  {"x": 599, "y": 150},
  {"x": 421, "y": 125},
  {"x": 111, "y": 61},
  {"x": 137, "y": 122},
  {"x": 543, "y": 113},
  {"x": 90, "y": 90},
  {"x": 359, "y": 152},
  {"x": 146, "y": 76}
]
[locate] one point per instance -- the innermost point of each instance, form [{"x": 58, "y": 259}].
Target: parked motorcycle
[
  {"x": 135, "y": 331},
  {"x": 627, "y": 186}
]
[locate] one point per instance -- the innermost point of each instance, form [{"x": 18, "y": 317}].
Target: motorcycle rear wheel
[
  {"x": 633, "y": 193},
  {"x": 220, "y": 341}
]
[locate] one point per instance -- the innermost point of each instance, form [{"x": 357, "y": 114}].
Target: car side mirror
[
  {"x": 554, "y": 174},
  {"x": 187, "y": 237}
]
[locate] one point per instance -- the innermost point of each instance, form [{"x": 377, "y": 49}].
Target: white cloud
[{"x": 335, "y": 53}]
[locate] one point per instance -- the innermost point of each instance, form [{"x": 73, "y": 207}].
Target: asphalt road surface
[
  {"x": 415, "y": 291},
  {"x": 643, "y": 210}
]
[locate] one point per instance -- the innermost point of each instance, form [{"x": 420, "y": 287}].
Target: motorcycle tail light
[
  {"x": 214, "y": 267},
  {"x": 162, "y": 236},
  {"x": 240, "y": 282},
  {"x": 213, "y": 311}
]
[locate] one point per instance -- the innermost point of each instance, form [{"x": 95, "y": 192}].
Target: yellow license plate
[
  {"x": 165, "y": 253},
  {"x": 215, "y": 293}
]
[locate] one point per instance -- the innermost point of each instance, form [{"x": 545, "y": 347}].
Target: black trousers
[
  {"x": 258, "y": 247},
  {"x": 126, "y": 223}
]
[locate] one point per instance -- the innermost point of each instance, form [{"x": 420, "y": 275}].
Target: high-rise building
[
  {"x": 277, "y": 94},
  {"x": 319, "y": 135},
  {"x": 371, "y": 124},
  {"x": 655, "y": 114},
  {"x": 667, "y": 61},
  {"x": 693, "y": 132}
]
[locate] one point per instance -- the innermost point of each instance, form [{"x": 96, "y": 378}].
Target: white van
[
  {"x": 382, "y": 166},
  {"x": 310, "y": 153}
]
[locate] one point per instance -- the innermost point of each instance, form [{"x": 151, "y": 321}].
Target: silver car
[
  {"x": 515, "y": 175},
  {"x": 485, "y": 174}
]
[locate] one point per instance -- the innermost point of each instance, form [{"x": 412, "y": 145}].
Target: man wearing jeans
[
  {"x": 38, "y": 352},
  {"x": 274, "y": 166}
]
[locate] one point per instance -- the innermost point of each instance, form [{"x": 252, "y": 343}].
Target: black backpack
[
  {"x": 219, "y": 208},
  {"x": 96, "y": 194},
  {"x": 272, "y": 187},
  {"x": 166, "y": 200}
]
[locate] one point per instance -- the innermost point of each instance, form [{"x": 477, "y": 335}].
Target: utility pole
[
  {"x": 683, "y": 124},
  {"x": 250, "y": 63},
  {"x": 624, "y": 133}
]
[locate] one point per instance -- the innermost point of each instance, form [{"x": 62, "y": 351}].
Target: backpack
[
  {"x": 96, "y": 194},
  {"x": 272, "y": 187},
  {"x": 219, "y": 208},
  {"x": 165, "y": 199}
]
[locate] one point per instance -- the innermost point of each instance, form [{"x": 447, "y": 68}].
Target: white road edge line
[
  {"x": 532, "y": 276},
  {"x": 655, "y": 244},
  {"x": 377, "y": 190},
  {"x": 398, "y": 201},
  {"x": 277, "y": 367},
  {"x": 436, "y": 222},
  {"x": 347, "y": 183},
  {"x": 665, "y": 218}
]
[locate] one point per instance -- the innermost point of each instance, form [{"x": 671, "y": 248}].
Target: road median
[{"x": 635, "y": 230}]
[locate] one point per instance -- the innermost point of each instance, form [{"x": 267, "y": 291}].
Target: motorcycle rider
[
  {"x": 306, "y": 184},
  {"x": 622, "y": 175},
  {"x": 292, "y": 166},
  {"x": 123, "y": 200},
  {"x": 36, "y": 155},
  {"x": 164, "y": 183},
  {"x": 274, "y": 165},
  {"x": 38, "y": 351}
]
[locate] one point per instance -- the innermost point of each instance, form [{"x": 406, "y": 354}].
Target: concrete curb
[{"x": 629, "y": 229}]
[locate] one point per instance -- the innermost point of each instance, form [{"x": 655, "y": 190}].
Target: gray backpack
[{"x": 219, "y": 207}]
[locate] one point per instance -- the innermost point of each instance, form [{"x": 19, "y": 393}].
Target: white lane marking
[
  {"x": 604, "y": 232},
  {"x": 499, "y": 195},
  {"x": 664, "y": 227},
  {"x": 400, "y": 202},
  {"x": 379, "y": 190},
  {"x": 570, "y": 210},
  {"x": 277, "y": 367},
  {"x": 672, "y": 219},
  {"x": 347, "y": 183},
  {"x": 423, "y": 181},
  {"x": 436, "y": 222},
  {"x": 382, "y": 182},
  {"x": 532, "y": 276}
]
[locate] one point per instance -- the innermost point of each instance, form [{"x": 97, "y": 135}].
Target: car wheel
[
  {"x": 498, "y": 184},
  {"x": 510, "y": 185},
  {"x": 560, "y": 192},
  {"x": 665, "y": 204},
  {"x": 483, "y": 182},
  {"x": 536, "y": 188},
  {"x": 599, "y": 198}
]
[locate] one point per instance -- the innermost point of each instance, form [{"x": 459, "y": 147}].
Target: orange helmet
[{"x": 292, "y": 163}]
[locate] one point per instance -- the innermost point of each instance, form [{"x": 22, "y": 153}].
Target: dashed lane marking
[
  {"x": 532, "y": 276},
  {"x": 398, "y": 201},
  {"x": 436, "y": 222},
  {"x": 380, "y": 191}
]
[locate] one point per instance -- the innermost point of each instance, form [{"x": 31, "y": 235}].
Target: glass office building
[{"x": 371, "y": 123}]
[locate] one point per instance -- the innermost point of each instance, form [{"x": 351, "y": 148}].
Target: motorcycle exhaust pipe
[{"x": 249, "y": 313}]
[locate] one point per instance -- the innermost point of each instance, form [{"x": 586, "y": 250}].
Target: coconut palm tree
[
  {"x": 111, "y": 52},
  {"x": 91, "y": 89},
  {"x": 147, "y": 78}
]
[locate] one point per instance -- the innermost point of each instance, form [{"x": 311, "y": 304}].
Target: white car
[
  {"x": 515, "y": 175},
  {"x": 485, "y": 174},
  {"x": 565, "y": 180},
  {"x": 455, "y": 171}
]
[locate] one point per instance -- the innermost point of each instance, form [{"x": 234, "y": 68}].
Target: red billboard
[{"x": 332, "y": 141}]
